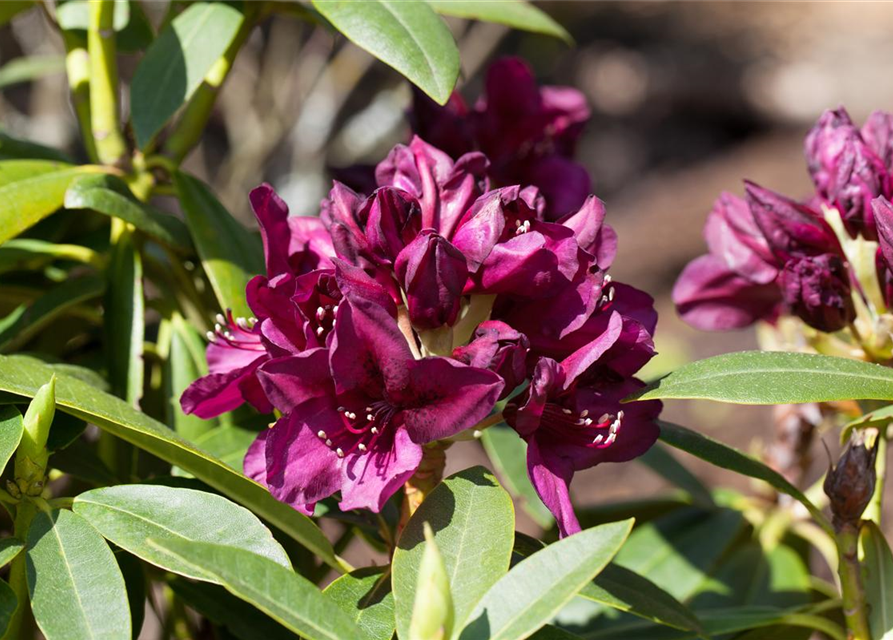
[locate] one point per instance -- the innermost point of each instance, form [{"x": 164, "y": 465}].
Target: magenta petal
[
  {"x": 293, "y": 380},
  {"x": 593, "y": 236},
  {"x": 301, "y": 469},
  {"x": 580, "y": 360},
  {"x": 733, "y": 236},
  {"x": 791, "y": 229},
  {"x": 393, "y": 218},
  {"x": 217, "y": 393},
  {"x": 371, "y": 478},
  {"x": 883, "y": 216},
  {"x": 310, "y": 246},
  {"x": 551, "y": 477},
  {"x": 433, "y": 273},
  {"x": 548, "y": 379},
  {"x": 480, "y": 229},
  {"x": 878, "y": 135},
  {"x": 498, "y": 347},
  {"x": 710, "y": 297},
  {"x": 272, "y": 214},
  {"x": 254, "y": 465},
  {"x": 443, "y": 397}
]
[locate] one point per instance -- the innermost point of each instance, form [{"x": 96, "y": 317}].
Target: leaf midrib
[{"x": 425, "y": 56}]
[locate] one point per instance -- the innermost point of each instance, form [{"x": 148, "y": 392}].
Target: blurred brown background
[{"x": 687, "y": 99}]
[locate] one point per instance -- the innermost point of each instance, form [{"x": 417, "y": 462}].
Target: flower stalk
[
  {"x": 422, "y": 483},
  {"x": 855, "y": 609},
  {"x": 109, "y": 141},
  {"x": 77, "y": 67}
]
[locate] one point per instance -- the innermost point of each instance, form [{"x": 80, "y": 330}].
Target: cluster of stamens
[
  {"x": 376, "y": 415},
  {"x": 562, "y": 417},
  {"x": 607, "y": 292},
  {"x": 522, "y": 227},
  {"x": 224, "y": 327},
  {"x": 323, "y": 312}
]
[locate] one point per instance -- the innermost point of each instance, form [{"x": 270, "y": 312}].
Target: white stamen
[
  {"x": 607, "y": 279},
  {"x": 321, "y": 434},
  {"x": 584, "y": 413},
  {"x": 220, "y": 319},
  {"x": 370, "y": 417},
  {"x": 218, "y": 328},
  {"x": 351, "y": 415},
  {"x": 517, "y": 223},
  {"x": 598, "y": 439},
  {"x": 566, "y": 411},
  {"x": 320, "y": 313},
  {"x": 227, "y": 335},
  {"x": 611, "y": 294},
  {"x": 210, "y": 336},
  {"x": 242, "y": 323},
  {"x": 611, "y": 438},
  {"x": 319, "y": 331},
  {"x": 341, "y": 409},
  {"x": 374, "y": 430},
  {"x": 361, "y": 447},
  {"x": 339, "y": 452},
  {"x": 252, "y": 320},
  {"x": 328, "y": 443},
  {"x": 335, "y": 309},
  {"x": 620, "y": 415},
  {"x": 587, "y": 422}
]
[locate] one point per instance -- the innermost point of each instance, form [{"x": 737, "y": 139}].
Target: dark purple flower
[
  {"x": 878, "y": 135},
  {"x": 570, "y": 426},
  {"x": 432, "y": 272},
  {"x": 883, "y": 215},
  {"x": 392, "y": 219},
  {"x": 357, "y": 414},
  {"x": 818, "y": 291},
  {"x": 498, "y": 347},
  {"x": 847, "y": 172}
]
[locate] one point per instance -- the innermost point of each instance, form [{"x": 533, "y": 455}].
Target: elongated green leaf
[
  {"x": 11, "y": 429},
  {"x": 12, "y": 148},
  {"x": 536, "y": 589},
  {"x": 22, "y": 376},
  {"x": 678, "y": 552},
  {"x": 186, "y": 363},
  {"x": 407, "y": 36},
  {"x": 177, "y": 62},
  {"x": 230, "y": 254},
  {"x": 517, "y": 14},
  {"x": 288, "y": 598},
  {"x": 508, "y": 453},
  {"x": 10, "y": 8},
  {"x": 228, "y": 442},
  {"x": 774, "y": 377},
  {"x": 726, "y": 457},
  {"x": 224, "y": 609},
  {"x": 877, "y": 418},
  {"x": 27, "y": 321},
  {"x": 662, "y": 462},
  {"x": 366, "y": 598},
  {"x": 877, "y": 563},
  {"x": 30, "y": 190},
  {"x": 76, "y": 588},
  {"x": 30, "y": 255},
  {"x": 624, "y": 590},
  {"x": 30, "y": 68},
  {"x": 125, "y": 323},
  {"x": 9, "y": 549},
  {"x": 110, "y": 195},
  {"x": 473, "y": 522},
  {"x": 129, "y": 515}
]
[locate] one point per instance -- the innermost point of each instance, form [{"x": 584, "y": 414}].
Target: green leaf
[
  {"x": 473, "y": 522},
  {"x": 220, "y": 607},
  {"x": 10, "y": 8},
  {"x": 177, "y": 62},
  {"x": 366, "y": 598},
  {"x": 124, "y": 317},
  {"x": 877, "y": 566},
  {"x": 30, "y": 68},
  {"x": 11, "y": 429},
  {"x": 508, "y": 453},
  {"x": 432, "y": 610},
  {"x": 288, "y": 598},
  {"x": 81, "y": 461},
  {"x": 662, "y": 462},
  {"x": 678, "y": 552},
  {"x": 773, "y": 377},
  {"x": 129, "y": 515},
  {"x": 75, "y": 15},
  {"x": 513, "y": 13},
  {"x": 111, "y": 196},
  {"x": 12, "y": 148},
  {"x": 28, "y": 254},
  {"x": 22, "y": 376},
  {"x": 9, "y": 549},
  {"x": 229, "y": 253},
  {"x": 877, "y": 418},
  {"x": 27, "y": 321},
  {"x": 184, "y": 364},
  {"x": 30, "y": 190},
  {"x": 407, "y": 36},
  {"x": 726, "y": 457},
  {"x": 228, "y": 442},
  {"x": 625, "y": 590},
  {"x": 76, "y": 588},
  {"x": 135, "y": 580},
  {"x": 553, "y": 633},
  {"x": 537, "y": 588}
]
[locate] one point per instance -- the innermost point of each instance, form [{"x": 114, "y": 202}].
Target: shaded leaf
[
  {"x": 288, "y": 598},
  {"x": 11, "y": 429},
  {"x": 365, "y": 596},
  {"x": 177, "y": 62},
  {"x": 536, "y": 589},
  {"x": 12, "y": 148},
  {"x": 229, "y": 253},
  {"x": 774, "y": 377},
  {"x": 517, "y": 14},
  {"x": 22, "y": 376},
  {"x": 877, "y": 566},
  {"x": 76, "y": 588},
  {"x": 124, "y": 318},
  {"x": 30, "y": 68},
  {"x": 662, "y": 462},
  {"x": 407, "y": 36},
  {"x": 473, "y": 523},
  {"x": 9, "y": 549},
  {"x": 8, "y": 603},
  {"x": 129, "y": 515},
  {"x": 135, "y": 581}
]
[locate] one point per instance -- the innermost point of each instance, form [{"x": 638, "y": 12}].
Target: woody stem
[{"x": 427, "y": 476}]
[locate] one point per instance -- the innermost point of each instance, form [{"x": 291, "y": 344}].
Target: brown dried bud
[{"x": 850, "y": 484}]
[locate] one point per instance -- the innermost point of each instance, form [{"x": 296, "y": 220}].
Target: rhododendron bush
[{"x": 208, "y": 420}]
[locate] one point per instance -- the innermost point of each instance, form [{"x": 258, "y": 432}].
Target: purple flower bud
[
  {"x": 433, "y": 274},
  {"x": 340, "y": 215},
  {"x": 790, "y": 228},
  {"x": 850, "y": 484},
  {"x": 817, "y": 289},
  {"x": 878, "y": 135},
  {"x": 393, "y": 218},
  {"x": 499, "y": 348}
]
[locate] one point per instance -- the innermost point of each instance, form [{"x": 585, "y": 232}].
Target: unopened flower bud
[
  {"x": 32, "y": 455},
  {"x": 850, "y": 484},
  {"x": 818, "y": 291},
  {"x": 432, "y": 613}
]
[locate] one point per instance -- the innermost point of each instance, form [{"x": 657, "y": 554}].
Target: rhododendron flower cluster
[
  {"x": 770, "y": 254},
  {"x": 402, "y": 317}
]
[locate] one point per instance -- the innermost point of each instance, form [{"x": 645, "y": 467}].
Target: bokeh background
[{"x": 687, "y": 100}]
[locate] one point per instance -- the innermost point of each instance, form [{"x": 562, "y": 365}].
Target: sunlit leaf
[
  {"x": 517, "y": 14},
  {"x": 366, "y": 598}
]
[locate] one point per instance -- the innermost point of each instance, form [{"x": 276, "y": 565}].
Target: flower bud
[
  {"x": 393, "y": 218},
  {"x": 433, "y": 274},
  {"x": 818, "y": 291},
  {"x": 432, "y": 612},
  {"x": 32, "y": 454},
  {"x": 850, "y": 484}
]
